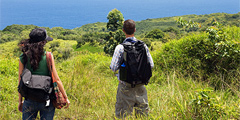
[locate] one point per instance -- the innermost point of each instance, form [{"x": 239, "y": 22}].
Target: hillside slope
[
  {"x": 91, "y": 87},
  {"x": 18, "y": 32}
]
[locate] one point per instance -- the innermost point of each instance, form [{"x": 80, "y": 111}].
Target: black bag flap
[
  {"x": 36, "y": 81},
  {"x": 40, "y": 82},
  {"x": 26, "y": 76}
]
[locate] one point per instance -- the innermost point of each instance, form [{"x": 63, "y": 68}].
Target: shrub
[
  {"x": 215, "y": 51},
  {"x": 61, "y": 50},
  {"x": 205, "y": 107},
  {"x": 218, "y": 52},
  {"x": 65, "y": 52},
  {"x": 156, "y": 34},
  {"x": 93, "y": 38}
]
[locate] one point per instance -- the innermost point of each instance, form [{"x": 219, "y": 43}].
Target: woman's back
[
  {"x": 34, "y": 57},
  {"x": 42, "y": 67}
]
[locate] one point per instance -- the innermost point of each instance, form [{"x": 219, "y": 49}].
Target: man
[{"x": 128, "y": 97}]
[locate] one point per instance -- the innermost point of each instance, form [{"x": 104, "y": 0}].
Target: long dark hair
[{"x": 33, "y": 51}]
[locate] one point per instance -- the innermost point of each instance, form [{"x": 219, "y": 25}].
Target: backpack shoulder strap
[{"x": 140, "y": 42}]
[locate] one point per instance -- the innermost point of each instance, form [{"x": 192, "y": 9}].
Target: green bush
[
  {"x": 156, "y": 34},
  {"x": 61, "y": 50},
  {"x": 65, "y": 52},
  {"x": 206, "y": 54},
  {"x": 218, "y": 52},
  {"x": 147, "y": 41},
  {"x": 206, "y": 107},
  {"x": 93, "y": 38}
]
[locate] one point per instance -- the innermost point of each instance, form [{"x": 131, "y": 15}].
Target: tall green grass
[{"x": 92, "y": 86}]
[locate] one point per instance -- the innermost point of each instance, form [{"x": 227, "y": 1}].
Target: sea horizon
[{"x": 75, "y": 13}]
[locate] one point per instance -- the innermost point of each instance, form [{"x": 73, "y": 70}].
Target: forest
[{"x": 196, "y": 73}]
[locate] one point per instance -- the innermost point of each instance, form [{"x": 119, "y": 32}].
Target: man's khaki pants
[{"x": 129, "y": 98}]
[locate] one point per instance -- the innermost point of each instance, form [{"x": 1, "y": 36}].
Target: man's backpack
[
  {"x": 35, "y": 87},
  {"x": 135, "y": 68}
]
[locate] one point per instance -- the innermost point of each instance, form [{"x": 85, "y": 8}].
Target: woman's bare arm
[
  {"x": 60, "y": 85},
  {"x": 20, "y": 101}
]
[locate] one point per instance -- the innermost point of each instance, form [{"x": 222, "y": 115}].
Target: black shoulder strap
[
  {"x": 128, "y": 42},
  {"x": 25, "y": 65},
  {"x": 131, "y": 41}
]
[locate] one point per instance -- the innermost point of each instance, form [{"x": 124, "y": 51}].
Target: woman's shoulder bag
[{"x": 59, "y": 100}]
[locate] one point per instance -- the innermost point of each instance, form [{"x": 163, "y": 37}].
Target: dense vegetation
[
  {"x": 196, "y": 73},
  {"x": 168, "y": 25}
]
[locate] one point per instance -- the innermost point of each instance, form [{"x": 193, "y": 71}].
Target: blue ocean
[{"x": 70, "y": 14}]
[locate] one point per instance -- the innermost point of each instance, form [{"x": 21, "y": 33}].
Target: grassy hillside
[
  {"x": 195, "y": 76},
  {"x": 147, "y": 25},
  {"x": 91, "y": 87},
  {"x": 205, "y": 20}
]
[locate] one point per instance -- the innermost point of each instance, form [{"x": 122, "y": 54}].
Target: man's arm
[{"x": 117, "y": 58}]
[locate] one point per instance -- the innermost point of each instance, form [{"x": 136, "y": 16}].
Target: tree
[
  {"x": 93, "y": 38},
  {"x": 171, "y": 29},
  {"x": 171, "y": 33},
  {"x": 116, "y": 35},
  {"x": 155, "y": 34},
  {"x": 188, "y": 25},
  {"x": 115, "y": 20},
  {"x": 24, "y": 34}
]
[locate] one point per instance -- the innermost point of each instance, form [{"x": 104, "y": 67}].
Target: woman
[{"x": 34, "y": 57}]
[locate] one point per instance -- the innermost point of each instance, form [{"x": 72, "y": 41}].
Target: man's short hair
[{"x": 129, "y": 26}]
